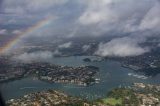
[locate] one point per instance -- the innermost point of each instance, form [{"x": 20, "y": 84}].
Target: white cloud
[
  {"x": 34, "y": 56},
  {"x": 16, "y": 32},
  {"x": 97, "y": 11},
  {"x": 65, "y": 45},
  {"x": 3, "y": 31},
  {"x": 12, "y": 21},
  {"x": 57, "y": 52},
  {"x": 86, "y": 47},
  {"x": 121, "y": 47}
]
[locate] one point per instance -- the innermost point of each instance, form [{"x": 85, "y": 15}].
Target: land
[
  {"x": 147, "y": 64},
  {"x": 63, "y": 74},
  {"x": 11, "y": 70},
  {"x": 46, "y": 98},
  {"x": 138, "y": 94}
]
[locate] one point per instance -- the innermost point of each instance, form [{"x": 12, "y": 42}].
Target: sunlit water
[{"x": 111, "y": 73}]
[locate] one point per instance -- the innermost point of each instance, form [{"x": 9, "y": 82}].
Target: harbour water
[{"x": 111, "y": 75}]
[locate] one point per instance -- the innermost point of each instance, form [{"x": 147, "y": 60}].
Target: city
[{"x": 83, "y": 75}]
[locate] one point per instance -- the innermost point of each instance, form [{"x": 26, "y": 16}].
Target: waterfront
[{"x": 111, "y": 73}]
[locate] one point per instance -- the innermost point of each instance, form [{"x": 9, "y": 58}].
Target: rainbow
[{"x": 8, "y": 45}]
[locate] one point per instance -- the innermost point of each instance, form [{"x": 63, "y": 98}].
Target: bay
[{"x": 112, "y": 75}]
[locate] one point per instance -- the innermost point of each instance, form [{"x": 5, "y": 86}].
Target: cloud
[
  {"x": 89, "y": 17},
  {"x": 65, "y": 45},
  {"x": 34, "y": 56},
  {"x": 16, "y": 32},
  {"x": 57, "y": 53},
  {"x": 121, "y": 16},
  {"x": 26, "y": 6},
  {"x": 12, "y": 21},
  {"x": 152, "y": 18},
  {"x": 158, "y": 45},
  {"x": 3, "y": 31},
  {"x": 121, "y": 47},
  {"x": 81, "y": 18},
  {"x": 96, "y": 12},
  {"x": 86, "y": 47}
]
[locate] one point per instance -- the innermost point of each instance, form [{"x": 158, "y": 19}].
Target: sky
[{"x": 138, "y": 19}]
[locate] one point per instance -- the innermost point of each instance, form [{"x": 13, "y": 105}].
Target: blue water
[{"x": 111, "y": 73}]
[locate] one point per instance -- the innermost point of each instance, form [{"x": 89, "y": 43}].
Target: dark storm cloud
[
  {"x": 91, "y": 17},
  {"x": 80, "y": 18},
  {"x": 140, "y": 17},
  {"x": 120, "y": 15},
  {"x": 1, "y": 6},
  {"x": 1, "y": 2}
]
